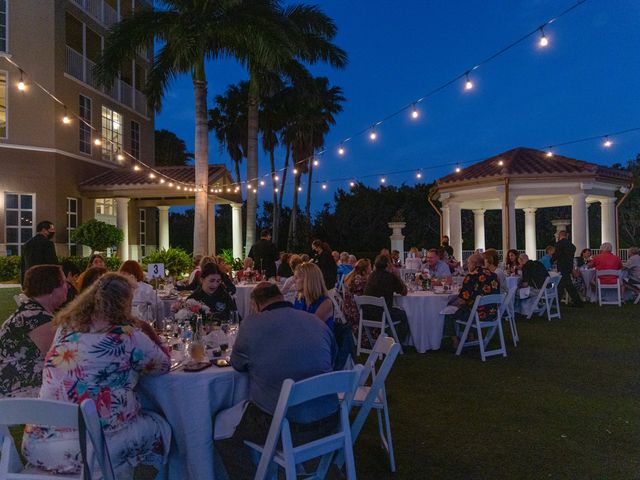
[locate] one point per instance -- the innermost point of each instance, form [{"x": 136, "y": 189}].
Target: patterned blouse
[
  {"x": 104, "y": 367},
  {"x": 21, "y": 361},
  {"x": 349, "y": 307},
  {"x": 483, "y": 282}
]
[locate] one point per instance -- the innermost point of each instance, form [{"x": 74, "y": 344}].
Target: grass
[{"x": 563, "y": 404}]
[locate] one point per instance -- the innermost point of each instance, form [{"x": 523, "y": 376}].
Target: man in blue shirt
[
  {"x": 547, "y": 259},
  {"x": 437, "y": 268},
  {"x": 276, "y": 343}
]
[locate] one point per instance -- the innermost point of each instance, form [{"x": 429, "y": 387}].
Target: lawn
[{"x": 563, "y": 404}]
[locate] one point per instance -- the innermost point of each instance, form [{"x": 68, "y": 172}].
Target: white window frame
[
  {"x": 6, "y": 27},
  {"x": 6, "y": 103},
  {"x": 110, "y": 135},
  {"x": 19, "y": 210},
  {"x": 135, "y": 151},
  {"x": 70, "y": 229},
  {"x": 82, "y": 126},
  {"x": 142, "y": 231}
]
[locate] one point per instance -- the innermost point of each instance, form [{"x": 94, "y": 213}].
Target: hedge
[{"x": 10, "y": 266}]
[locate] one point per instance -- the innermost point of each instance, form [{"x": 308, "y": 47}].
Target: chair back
[
  {"x": 336, "y": 299},
  {"x": 507, "y": 305},
  {"x": 367, "y": 323},
  {"x": 609, "y": 286},
  {"x": 143, "y": 310},
  {"x": 474, "y": 321}
]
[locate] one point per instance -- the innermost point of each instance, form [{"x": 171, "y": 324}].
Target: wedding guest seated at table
[
  {"x": 289, "y": 289},
  {"x": 491, "y": 263},
  {"x": 27, "y": 334},
  {"x": 383, "y": 283},
  {"x": 632, "y": 267},
  {"x": 284, "y": 269},
  {"x": 325, "y": 262},
  {"x": 354, "y": 285},
  {"x": 533, "y": 272},
  {"x": 95, "y": 260},
  {"x": 193, "y": 280},
  {"x": 212, "y": 293},
  {"x": 299, "y": 346},
  {"x": 227, "y": 283},
  {"x": 395, "y": 258},
  {"x": 547, "y": 258},
  {"x": 99, "y": 352},
  {"x": 247, "y": 273},
  {"x": 438, "y": 269},
  {"x": 606, "y": 260},
  {"x": 585, "y": 258},
  {"x": 352, "y": 261},
  {"x": 312, "y": 293},
  {"x": 511, "y": 263},
  {"x": 336, "y": 256},
  {"x": 145, "y": 301},
  {"x": 414, "y": 259},
  {"x": 71, "y": 273},
  {"x": 90, "y": 276},
  {"x": 344, "y": 267},
  {"x": 479, "y": 281}
]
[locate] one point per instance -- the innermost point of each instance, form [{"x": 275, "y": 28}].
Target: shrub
[
  {"x": 176, "y": 261},
  {"x": 97, "y": 235},
  {"x": 236, "y": 264},
  {"x": 113, "y": 263},
  {"x": 10, "y": 268}
]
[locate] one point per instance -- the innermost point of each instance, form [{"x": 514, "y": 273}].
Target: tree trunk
[
  {"x": 201, "y": 159},
  {"x": 292, "y": 241},
  {"x": 276, "y": 213},
  {"x": 252, "y": 162},
  {"x": 284, "y": 176},
  {"x": 238, "y": 179},
  {"x": 307, "y": 209}
]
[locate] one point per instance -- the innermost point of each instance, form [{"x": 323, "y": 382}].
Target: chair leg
[
  {"x": 503, "y": 345},
  {"x": 480, "y": 342},
  {"x": 359, "y": 338},
  {"x": 464, "y": 336},
  {"x": 392, "y": 459}
]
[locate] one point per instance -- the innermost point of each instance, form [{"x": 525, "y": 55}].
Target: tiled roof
[
  {"x": 129, "y": 177},
  {"x": 524, "y": 162}
]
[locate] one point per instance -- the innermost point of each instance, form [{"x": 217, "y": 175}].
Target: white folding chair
[
  {"x": 144, "y": 311},
  {"x": 366, "y": 324},
  {"x": 18, "y": 411},
  {"x": 337, "y": 301},
  {"x": 615, "y": 287},
  {"x": 507, "y": 311},
  {"x": 474, "y": 321},
  {"x": 371, "y": 394},
  {"x": 547, "y": 299},
  {"x": 289, "y": 456}
]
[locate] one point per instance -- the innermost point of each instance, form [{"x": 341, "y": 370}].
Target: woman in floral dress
[
  {"x": 99, "y": 352},
  {"x": 354, "y": 284},
  {"x": 27, "y": 334}
]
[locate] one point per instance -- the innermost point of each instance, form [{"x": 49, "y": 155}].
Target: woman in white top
[
  {"x": 145, "y": 301},
  {"x": 289, "y": 289},
  {"x": 491, "y": 262}
]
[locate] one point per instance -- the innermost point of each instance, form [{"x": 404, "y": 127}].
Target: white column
[
  {"x": 530, "y": 232},
  {"x": 508, "y": 225},
  {"x": 586, "y": 221},
  {"x": 579, "y": 221},
  {"x": 122, "y": 220},
  {"x": 211, "y": 228},
  {"x": 446, "y": 221},
  {"x": 455, "y": 229},
  {"x": 478, "y": 224},
  {"x": 236, "y": 228},
  {"x": 163, "y": 222},
  {"x": 608, "y": 216}
]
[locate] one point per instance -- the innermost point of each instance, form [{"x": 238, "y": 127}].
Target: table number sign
[{"x": 155, "y": 270}]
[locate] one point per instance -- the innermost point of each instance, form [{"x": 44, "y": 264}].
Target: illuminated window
[
  {"x": 72, "y": 223},
  {"x": 3, "y": 104},
  {"x": 143, "y": 232},
  {"x": 111, "y": 133},
  {"x": 105, "y": 206}
]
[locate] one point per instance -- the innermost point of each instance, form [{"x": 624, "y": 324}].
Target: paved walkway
[{"x": 10, "y": 285}]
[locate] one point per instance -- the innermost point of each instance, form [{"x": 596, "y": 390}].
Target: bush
[
  {"x": 97, "y": 235},
  {"x": 10, "y": 268},
  {"x": 236, "y": 264},
  {"x": 176, "y": 261},
  {"x": 113, "y": 263}
]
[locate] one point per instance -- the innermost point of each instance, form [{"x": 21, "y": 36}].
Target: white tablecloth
[
  {"x": 189, "y": 401},
  {"x": 425, "y": 321},
  {"x": 243, "y": 298}
]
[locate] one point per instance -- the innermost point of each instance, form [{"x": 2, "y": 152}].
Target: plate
[{"x": 196, "y": 367}]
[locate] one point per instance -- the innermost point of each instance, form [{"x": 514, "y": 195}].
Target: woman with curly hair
[
  {"x": 99, "y": 351},
  {"x": 511, "y": 264}
]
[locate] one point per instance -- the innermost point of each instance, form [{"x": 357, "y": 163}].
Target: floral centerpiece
[{"x": 186, "y": 309}]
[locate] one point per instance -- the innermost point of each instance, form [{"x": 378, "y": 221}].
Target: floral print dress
[
  {"x": 349, "y": 307},
  {"x": 21, "y": 361},
  {"x": 104, "y": 367}
]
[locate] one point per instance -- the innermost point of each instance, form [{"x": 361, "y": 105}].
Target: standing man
[
  {"x": 445, "y": 245},
  {"x": 565, "y": 253},
  {"x": 39, "y": 250},
  {"x": 265, "y": 253}
]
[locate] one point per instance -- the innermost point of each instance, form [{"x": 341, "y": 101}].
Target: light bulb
[
  {"x": 275, "y": 190},
  {"x": 549, "y": 153},
  {"x": 324, "y": 186},
  {"x": 607, "y": 142},
  {"x": 352, "y": 184},
  {"x": 171, "y": 184},
  {"x": 299, "y": 189},
  {"x": 458, "y": 169},
  {"x": 341, "y": 151},
  {"x": 295, "y": 171},
  {"x": 276, "y": 178},
  {"x": 249, "y": 187},
  {"x": 383, "y": 180},
  {"x": 136, "y": 168},
  {"x": 21, "y": 86},
  {"x": 255, "y": 191},
  {"x": 468, "y": 84},
  {"x": 97, "y": 142},
  {"x": 316, "y": 163},
  {"x": 418, "y": 175},
  {"x": 66, "y": 120},
  {"x": 373, "y": 135},
  {"x": 262, "y": 183},
  {"x": 228, "y": 190},
  {"x": 544, "y": 41},
  {"x": 162, "y": 180},
  {"x": 501, "y": 163},
  {"x": 120, "y": 157},
  {"x": 179, "y": 187},
  {"x": 414, "y": 113},
  {"x": 152, "y": 175}
]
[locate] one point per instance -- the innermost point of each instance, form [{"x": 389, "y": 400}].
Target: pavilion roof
[{"x": 523, "y": 163}]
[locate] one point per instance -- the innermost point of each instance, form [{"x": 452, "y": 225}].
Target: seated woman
[
  {"x": 212, "y": 293},
  {"x": 248, "y": 273},
  {"x": 289, "y": 288},
  {"x": 145, "y": 301},
  {"x": 90, "y": 276},
  {"x": 491, "y": 262},
  {"x": 585, "y": 258},
  {"x": 192, "y": 282},
  {"x": 95, "y": 260},
  {"x": 284, "y": 269},
  {"x": 414, "y": 259},
  {"x": 99, "y": 352},
  {"x": 312, "y": 293},
  {"x": 354, "y": 285},
  {"x": 479, "y": 281},
  {"x": 27, "y": 334},
  {"x": 511, "y": 264}
]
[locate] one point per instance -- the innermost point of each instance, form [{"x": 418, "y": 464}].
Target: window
[
  {"x": 143, "y": 232},
  {"x": 4, "y": 25},
  {"x": 19, "y": 220},
  {"x": 135, "y": 140},
  {"x": 111, "y": 133},
  {"x": 3, "y": 103},
  {"x": 105, "y": 206},
  {"x": 84, "y": 112},
  {"x": 72, "y": 223}
]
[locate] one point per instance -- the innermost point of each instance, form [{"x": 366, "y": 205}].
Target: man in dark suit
[
  {"x": 39, "y": 250},
  {"x": 565, "y": 253},
  {"x": 264, "y": 254}
]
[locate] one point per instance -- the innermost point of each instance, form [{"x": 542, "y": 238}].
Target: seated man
[
  {"x": 547, "y": 258},
  {"x": 534, "y": 272},
  {"x": 299, "y": 346},
  {"x": 606, "y": 260},
  {"x": 383, "y": 283},
  {"x": 437, "y": 268},
  {"x": 632, "y": 267}
]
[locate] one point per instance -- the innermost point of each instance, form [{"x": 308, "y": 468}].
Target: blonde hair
[
  {"x": 109, "y": 298},
  {"x": 207, "y": 259},
  {"x": 294, "y": 261},
  {"x": 313, "y": 286}
]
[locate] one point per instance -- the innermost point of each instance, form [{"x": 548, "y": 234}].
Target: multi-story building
[{"x": 69, "y": 172}]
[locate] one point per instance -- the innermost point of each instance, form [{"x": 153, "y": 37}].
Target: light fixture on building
[
  {"x": 97, "y": 142},
  {"x": 21, "y": 86}
]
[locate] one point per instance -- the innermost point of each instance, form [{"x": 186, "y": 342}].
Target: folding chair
[
  {"x": 374, "y": 395},
  {"x": 475, "y": 322},
  {"x": 337, "y": 300},
  {"x": 616, "y": 287},
  {"x": 507, "y": 311},
  {"x": 295, "y": 393},
  {"x": 366, "y": 324},
  {"x": 547, "y": 299},
  {"x": 144, "y": 311},
  {"x": 18, "y": 411}
]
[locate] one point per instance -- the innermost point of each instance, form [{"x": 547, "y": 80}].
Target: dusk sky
[{"x": 584, "y": 83}]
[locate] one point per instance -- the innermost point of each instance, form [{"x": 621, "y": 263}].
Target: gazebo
[{"x": 529, "y": 179}]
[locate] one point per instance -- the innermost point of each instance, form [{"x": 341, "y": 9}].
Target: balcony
[{"x": 100, "y": 10}]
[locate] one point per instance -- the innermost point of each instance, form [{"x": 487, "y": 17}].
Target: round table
[{"x": 425, "y": 320}]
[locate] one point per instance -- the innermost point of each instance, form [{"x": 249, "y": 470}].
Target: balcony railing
[
  {"x": 141, "y": 103},
  {"x": 74, "y": 65},
  {"x": 100, "y": 10},
  {"x": 126, "y": 96}
]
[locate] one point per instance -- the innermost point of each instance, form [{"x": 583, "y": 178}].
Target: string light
[
  {"x": 299, "y": 189},
  {"x": 136, "y": 168},
  {"x": 373, "y": 135},
  {"x": 549, "y": 153},
  {"x": 544, "y": 41},
  {"x": 97, "y": 142},
  {"x": 152, "y": 175},
  {"x": 458, "y": 169},
  {"x": 352, "y": 184},
  {"x": 275, "y": 190},
  {"x": 21, "y": 86},
  {"x": 607, "y": 142},
  {"x": 276, "y": 178},
  {"x": 66, "y": 120},
  {"x": 324, "y": 186},
  {"x": 120, "y": 158},
  {"x": 414, "y": 112},
  {"x": 162, "y": 180},
  {"x": 171, "y": 184},
  {"x": 316, "y": 162},
  {"x": 295, "y": 171},
  {"x": 500, "y": 163},
  {"x": 179, "y": 187},
  {"x": 468, "y": 84},
  {"x": 419, "y": 175},
  {"x": 262, "y": 183},
  {"x": 255, "y": 191},
  {"x": 340, "y": 150},
  {"x": 383, "y": 180}
]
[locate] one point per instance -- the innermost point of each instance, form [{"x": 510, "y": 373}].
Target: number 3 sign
[{"x": 155, "y": 270}]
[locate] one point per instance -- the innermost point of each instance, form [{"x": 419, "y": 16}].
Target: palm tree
[
  {"x": 229, "y": 121},
  {"x": 190, "y": 32},
  {"x": 299, "y": 33}
]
